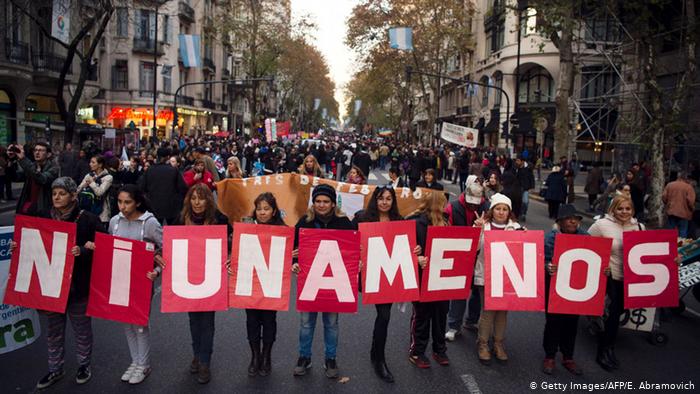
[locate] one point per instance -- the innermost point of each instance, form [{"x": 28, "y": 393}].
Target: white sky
[{"x": 330, "y": 18}]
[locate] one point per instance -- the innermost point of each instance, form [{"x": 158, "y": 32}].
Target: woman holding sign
[
  {"x": 199, "y": 208},
  {"x": 492, "y": 323},
  {"x": 620, "y": 218},
  {"x": 428, "y": 314},
  {"x": 262, "y": 324},
  {"x": 134, "y": 221}
]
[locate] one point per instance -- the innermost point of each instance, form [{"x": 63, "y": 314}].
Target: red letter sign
[
  {"x": 390, "y": 271},
  {"x": 519, "y": 255},
  {"x": 451, "y": 253},
  {"x": 329, "y": 261},
  {"x": 578, "y": 286},
  {"x": 195, "y": 277},
  {"x": 119, "y": 288},
  {"x": 261, "y": 262},
  {"x": 651, "y": 273},
  {"x": 42, "y": 264}
]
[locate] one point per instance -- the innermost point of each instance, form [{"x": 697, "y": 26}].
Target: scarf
[
  {"x": 65, "y": 215},
  {"x": 197, "y": 219}
]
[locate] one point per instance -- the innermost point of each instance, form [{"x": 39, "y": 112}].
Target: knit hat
[
  {"x": 473, "y": 191},
  {"x": 323, "y": 190},
  {"x": 499, "y": 198},
  {"x": 65, "y": 183}
]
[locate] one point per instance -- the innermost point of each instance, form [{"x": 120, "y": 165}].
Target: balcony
[
  {"x": 186, "y": 12},
  {"x": 208, "y": 104},
  {"x": 16, "y": 51},
  {"x": 146, "y": 45},
  {"x": 46, "y": 61},
  {"x": 185, "y": 100},
  {"x": 208, "y": 63}
]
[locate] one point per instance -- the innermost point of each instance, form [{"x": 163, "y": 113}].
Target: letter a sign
[{"x": 42, "y": 265}]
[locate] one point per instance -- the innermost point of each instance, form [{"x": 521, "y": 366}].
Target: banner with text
[{"x": 459, "y": 135}]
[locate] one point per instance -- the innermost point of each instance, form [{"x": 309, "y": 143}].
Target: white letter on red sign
[
  {"x": 658, "y": 271},
  {"x": 120, "y": 285},
  {"x": 378, "y": 259},
  {"x": 32, "y": 254},
  {"x": 328, "y": 254},
  {"x": 212, "y": 270},
  {"x": 439, "y": 263},
  {"x": 525, "y": 285},
  {"x": 565, "y": 267},
  {"x": 251, "y": 258}
]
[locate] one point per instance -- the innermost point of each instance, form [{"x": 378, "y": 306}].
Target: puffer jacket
[{"x": 479, "y": 267}]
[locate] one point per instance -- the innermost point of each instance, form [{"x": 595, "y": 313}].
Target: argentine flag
[
  {"x": 189, "y": 50},
  {"x": 401, "y": 38}
]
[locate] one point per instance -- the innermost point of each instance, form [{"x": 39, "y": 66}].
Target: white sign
[
  {"x": 460, "y": 135},
  {"x": 60, "y": 20},
  {"x": 641, "y": 319},
  {"x": 111, "y": 133},
  {"x": 689, "y": 275}
]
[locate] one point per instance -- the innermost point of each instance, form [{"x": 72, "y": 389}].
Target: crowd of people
[{"x": 133, "y": 193}]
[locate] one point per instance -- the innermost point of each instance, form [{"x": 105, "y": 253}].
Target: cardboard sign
[
  {"x": 42, "y": 265},
  {"x": 261, "y": 262},
  {"x": 514, "y": 270},
  {"x": 195, "y": 277},
  {"x": 578, "y": 286},
  {"x": 651, "y": 272},
  {"x": 451, "y": 253},
  {"x": 390, "y": 272},
  {"x": 119, "y": 288},
  {"x": 640, "y": 319},
  {"x": 329, "y": 262}
]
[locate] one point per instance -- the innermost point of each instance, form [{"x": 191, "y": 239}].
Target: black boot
[
  {"x": 613, "y": 358},
  {"x": 372, "y": 355},
  {"x": 603, "y": 360},
  {"x": 380, "y": 367},
  {"x": 255, "y": 358},
  {"x": 266, "y": 361}
]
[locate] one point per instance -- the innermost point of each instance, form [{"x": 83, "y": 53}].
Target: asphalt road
[{"x": 171, "y": 354}]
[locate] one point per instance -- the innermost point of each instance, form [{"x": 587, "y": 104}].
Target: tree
[{"x": 89, "y": 20}]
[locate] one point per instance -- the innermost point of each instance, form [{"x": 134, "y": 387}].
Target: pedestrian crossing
[{"x": 378, "y": 177}]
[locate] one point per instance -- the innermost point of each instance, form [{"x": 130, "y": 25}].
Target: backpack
[{"x": 89, "y": 201}]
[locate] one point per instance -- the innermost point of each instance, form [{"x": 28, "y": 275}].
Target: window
[
  {"x": 529, "y": 22},
  {"x": 484, "y": 92},
  {"x": 495, "y": 26},
  {"x": 183, "y": 80},
  {"x": 167, "y": 73},
  {"x": 602, "y": 30},
  {"x": 167, "y": 30},
  {"x": 120, "y": 75},
  {"x": 498, "y": 81},
  {"x": 597, "y": 83},
  {"x": 122, "y": 22},
  {"x": 146, "y": 77},
  {"x": 145, "y": 25},
  {"x": 207, "y": 87},
  {"x": 536, "y": 86}
]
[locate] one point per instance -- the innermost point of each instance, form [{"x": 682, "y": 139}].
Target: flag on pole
[
  {"x": 491, "y": 81},
  {"x": 401, "y": 38},
  {"x": 324, "y": 113},
  {"x": 60, "y": 20},
  {"x": 317, "y": 103},
  {"x": 189, "y": 50},
  {"x": 358, "y": 105}
]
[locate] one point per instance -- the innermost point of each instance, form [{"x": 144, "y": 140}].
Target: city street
[{"x": 171, "y": 354}]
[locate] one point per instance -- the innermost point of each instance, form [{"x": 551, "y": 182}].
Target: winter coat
[
  {"x": 459, "y": 213},
  {"x": 42, "y": 178},
  {"x": 525, "y": 177},
  {"x": 556, "y": 187},
  {"x": 549, "y": 242},
  {"x": 593, "y": 181},
  {"x": 165, "y": 188},
  {"x": 434, "y": 186},
  {"x": 101, "y": 190},
  {"x": 679, "y": 198},
  {"x": 479, "y": 266},
  {"x": 206, "y": 179},
  {"x": 336, "y": 223},
  {"x": 609, "y": 227}
]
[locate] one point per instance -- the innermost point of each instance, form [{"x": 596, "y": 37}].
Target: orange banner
[{"x": 292, "y": 191}]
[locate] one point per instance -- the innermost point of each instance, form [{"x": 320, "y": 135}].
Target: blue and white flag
[
  {"x": 471, "y": 90},
  {"x": 491, "y": 81},
  {"x": 358, "y": 105},
  {"x": 189, "y": 50},
  {"x": 324, "y": 113},
  {"x": 317, "y": 103},
  {"x": 401, "y": 38}
]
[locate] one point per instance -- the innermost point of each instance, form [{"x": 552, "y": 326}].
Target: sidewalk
[
  {"x": 581, "y": 200},
  {"x": 11, "y": 205}
]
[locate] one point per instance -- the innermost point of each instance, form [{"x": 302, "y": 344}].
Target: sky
[{"x": 330, "y": 17}]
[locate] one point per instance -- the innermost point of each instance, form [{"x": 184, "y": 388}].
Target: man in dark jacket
[
  {"x": 68, "y": 161},
  {"x": 38, "y": 175},
  {"x": 362, "y": 160},
  {"x": 164, "y": 187},
  {"x": 527, "y": 181}
]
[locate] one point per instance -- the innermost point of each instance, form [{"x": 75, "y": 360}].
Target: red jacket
[{"x": 206, "y": 179}]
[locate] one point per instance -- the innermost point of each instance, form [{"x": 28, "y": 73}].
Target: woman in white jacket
[
  {"x": 99, "y": 181},
  {"x": 492, "y": 323}
]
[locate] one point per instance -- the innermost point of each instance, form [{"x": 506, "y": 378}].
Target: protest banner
[
  {"x": 638, "y": 319},
  {"x": 578, "y": 286},
  {"x": 451, "y": 253},
  {"x": 390, "y": 271},
  {"x": 520, "y": 255},
  {"x": 195, "y": 277},
  {"x": 119, "y": 288},
  {"x": 650, "y": 270},
  {"x": 689, "y": 275},
  {"x": 41, "y": 267},
  {"x": 329, "y": 263},
  {"x": 261, "y": 262},
  {"x": 19, "y": 326},
  {"x": 459, "y": 135}
]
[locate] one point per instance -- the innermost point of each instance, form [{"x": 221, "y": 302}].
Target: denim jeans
[
  {"x": 680, "y": 224},
  {"x": 202, "y": 330},
  {"x": 457, "y": 309},
  {"x": 330, "y": 333},
  {"x": 526, "y": 201}
]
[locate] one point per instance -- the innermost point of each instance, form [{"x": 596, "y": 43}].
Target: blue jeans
[
  {"x": 202, "y": 330},
  {"x": 526, "y": 201},
  {"x": 457, "y": 309},
  {"x": 680, "y": 224},
  {"x": 330, "y": 333}
]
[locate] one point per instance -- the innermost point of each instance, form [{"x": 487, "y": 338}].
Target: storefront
[
  {"x": 140, "y": 120},
  {"x": 42, "y": 119},
  {"x": 7, "y": 118}
]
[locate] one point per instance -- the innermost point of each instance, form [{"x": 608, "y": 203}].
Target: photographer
[{"x": 38, "y": 176}]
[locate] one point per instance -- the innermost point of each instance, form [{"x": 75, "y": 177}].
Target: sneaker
[
  {"x": 419, "y": 360},
  {"x": 129, "y": 371},
  {"x": 469, "y": 326},
  {"x": 49, "y": 379},
  {"x": 548, "y": 366},
  {"x": 331, "y": 368},
  {"x": 84, "y": 374},
  {"x": 139, "y": 375},
  {"x": 571, "y": 366},
  {"x": 441, "y": 358},
  {"x": 303, "y": 364},
  {"x": 451, "y": 334}
]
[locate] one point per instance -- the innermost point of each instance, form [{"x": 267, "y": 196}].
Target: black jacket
[
  {"x": 556, "y": 187},
  {"x": 363, "y": 161},
  {"x": 435, "y": 185},
  {"x": 336, "y": 223},
  {"x": 165, "y": 188},
  {"x": 525, "y": 177}
]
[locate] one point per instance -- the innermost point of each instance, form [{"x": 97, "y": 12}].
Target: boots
[
  {"x": 484, "y": 352},
  {"x": 603, "y": 359},
  {"x": 254, "y": 365},
  {"x": 499, "y": 351},
  {"x": 613, "y": 358},
  {"x": 379, "y": 363},
  {"x": 266, "y": 362}
]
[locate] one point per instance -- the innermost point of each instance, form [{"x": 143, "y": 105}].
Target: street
[{"x": 171, "y": 353}]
